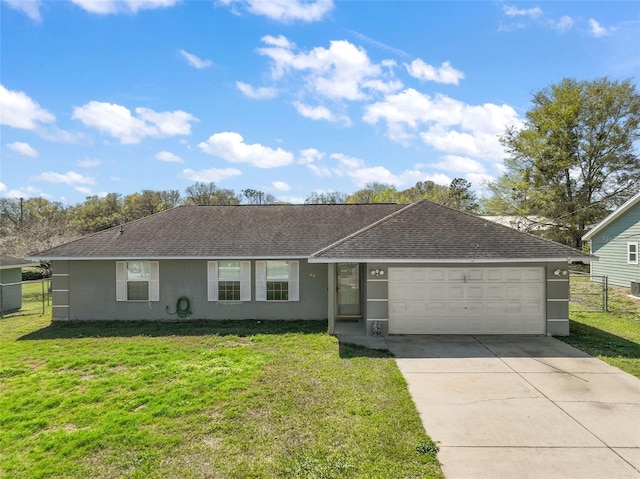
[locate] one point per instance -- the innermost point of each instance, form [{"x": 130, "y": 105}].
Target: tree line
[
  {"x": 571, "y": 163},
  {"x": 35, "y": 224}
]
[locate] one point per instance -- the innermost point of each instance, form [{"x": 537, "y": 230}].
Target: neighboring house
[
  {"x": 10, "y": 279},
  {"x": 616, "y": 242},
  {"x": 403, "y": 269}
]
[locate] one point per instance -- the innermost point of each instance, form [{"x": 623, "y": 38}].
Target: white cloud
[
  {"x": 286, "y": 11},
  {"x": 194, "y": 61},
  {"x": 596, "y": 30},
  {"x": 18, "y": 110},
  {"x": 321, "y": 171},
  {"x": 444, "y": 123},
  {"x": 341, "y": 72},
  {"x": 117, "y": 121},
  {"x": 3, "y": 187},
  {"x": 280, "y": 186},
  {"x": 84, "y": 190},
  {"x": 69, "y": 178},
  {"x": 309, "y": 156},
  {"x": 168, "y": 157},
  {"x": 29, "y": 7},
  {"x": 361, "y": 174},
  {"x": 89, "y": 163},
  {"x": 459, "y": 164},
  {"x": 24, "y": 149},
  {"x": 215, "y": 175},
  {"x": 106, "y": 7},
  {"x": 261, "y": 93},
  {"x": 564, "y": 24},
  {"x": 231, "y": 147},
  {"x": 512, "y": 11},
  {"x": 320, "y": 113},
  {"x": 443, "y": 74}
]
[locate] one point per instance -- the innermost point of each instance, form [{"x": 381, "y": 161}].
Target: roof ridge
[{"x": 366, "y": 228}]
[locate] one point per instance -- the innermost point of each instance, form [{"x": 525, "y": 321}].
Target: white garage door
[{"x": 485, "y": 300}]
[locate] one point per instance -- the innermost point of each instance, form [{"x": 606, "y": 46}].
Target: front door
[{"x": 349, "y": 298}]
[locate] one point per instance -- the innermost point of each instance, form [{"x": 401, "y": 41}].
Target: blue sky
[{"x": 287, "y": 97}]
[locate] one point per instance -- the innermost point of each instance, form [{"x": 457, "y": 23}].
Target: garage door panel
[{"x": 474, "y": 300}]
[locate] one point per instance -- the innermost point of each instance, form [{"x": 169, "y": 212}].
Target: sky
[{"x": 287, "y": 97}]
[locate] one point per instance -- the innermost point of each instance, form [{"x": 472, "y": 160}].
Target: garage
[{"x": 466, "y": 300}]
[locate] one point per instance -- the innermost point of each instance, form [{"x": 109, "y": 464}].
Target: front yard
[
  {"x": 614, "y": 336},
  {"x": 196, "y": 400}
]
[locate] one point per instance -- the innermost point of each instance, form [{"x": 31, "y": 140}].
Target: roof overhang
[
  {"x": 612, "y": 217},
  {"x": 584, "y": 259},
  {"x": 151, "y": 257}
]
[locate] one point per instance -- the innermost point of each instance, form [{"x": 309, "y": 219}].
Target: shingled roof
[
  {"x": 422, "y": 231},
  {"x": 226, "y": 232},
  {"x": 427, "y": 231}
]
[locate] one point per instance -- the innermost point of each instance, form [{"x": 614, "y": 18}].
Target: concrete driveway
[{"x": 522, "y": 407}]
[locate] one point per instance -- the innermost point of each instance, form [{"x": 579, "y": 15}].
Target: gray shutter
[
  {"x": 261, "y": 280},
  {"x": 245, "y": 281},
  {"x": 212, "y": 280},
  {"x": 121, "y": 280},
  {"x": 294, "y": 283},
  {"x": 154, "y": 281}
]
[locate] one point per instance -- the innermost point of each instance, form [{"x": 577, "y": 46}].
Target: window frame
[
  {"x": 630, "y": 253},
  {"x": 214, "y": 280},
  {"x": 293, "y": 281},
  {"x": 122, "y": 281}
]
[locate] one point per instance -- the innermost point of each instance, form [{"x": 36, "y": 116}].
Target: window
[
  {"x": 277, "y": 281},
  {"x": 632, "y": 253},
  {"x": 229, "y": 280},
  {"x": 137, "y": 281}
]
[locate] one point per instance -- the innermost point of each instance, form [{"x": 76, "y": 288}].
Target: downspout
[{"x": 331, "y": 297}]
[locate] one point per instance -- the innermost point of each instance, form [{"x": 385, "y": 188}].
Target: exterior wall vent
[{"x": 635, "y": 288}]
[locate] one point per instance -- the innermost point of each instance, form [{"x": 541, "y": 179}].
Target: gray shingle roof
[
  {"x": 226, "y": 231},
  {"x": 421, "y": 231},
  {"x": 429, "y": 231},
  {"x": 10, "y": 262}
]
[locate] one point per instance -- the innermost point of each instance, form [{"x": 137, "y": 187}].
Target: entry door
[{"x": 349, "y": 298}]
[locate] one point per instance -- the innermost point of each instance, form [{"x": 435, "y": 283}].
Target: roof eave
[{"x": 612, "y": 217}]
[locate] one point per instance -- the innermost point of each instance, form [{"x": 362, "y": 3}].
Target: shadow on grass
[
  {"x": 597, "y": 342},
  {"x": 350, "y": 351},
  {"x": 108, "y": 329}
]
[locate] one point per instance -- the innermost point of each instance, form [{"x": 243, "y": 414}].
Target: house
[
  {"x": 616, "y": 241},
  {"x": 10, "y": 283},
  {"x": 401, "y": 269}
]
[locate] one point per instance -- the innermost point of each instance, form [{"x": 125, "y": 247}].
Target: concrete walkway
[{"x": 522, "y": 407}]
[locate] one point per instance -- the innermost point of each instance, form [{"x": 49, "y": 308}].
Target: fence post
[{"x": 606, "y": 294}]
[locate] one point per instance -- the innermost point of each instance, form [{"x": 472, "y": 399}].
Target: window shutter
[
  {"x": 261, "y": 280},
  {"x": 121, "y": 280},
  {"x": 245, "y": 281},
  {"x": 294, "y": 289},
  {"x": 212, "y": 280},
  {"x": 154, "y": 281}
]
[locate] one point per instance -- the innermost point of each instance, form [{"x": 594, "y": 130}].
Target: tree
[
  {"x": 31, "y": 225},
  {"x": 328, "y": 198},
  {"x": 209, "y": 194},
  {"x": 425, "y": 190},
  {"x": 574, "y": 158},
  {"x": 256, "y": 197},
  {"x": 374, "y": 193},
  {"x": 97, "y": 214},
  {"x": 460, "y": 196},
  {"x": 149, "y": 202}
]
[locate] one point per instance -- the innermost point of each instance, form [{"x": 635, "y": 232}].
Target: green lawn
[
  {"x": 614, "y": 336},
  {"x": 191, "y": 400}
]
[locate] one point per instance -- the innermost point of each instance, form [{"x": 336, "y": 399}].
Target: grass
[
  {"x": 612, "y": 336},
  {"x": 193, "y": 400}
]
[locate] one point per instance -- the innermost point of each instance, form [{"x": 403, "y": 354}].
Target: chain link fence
[
  {"x": 25, "y": 297},
  {"x": 588, "y": 292}
]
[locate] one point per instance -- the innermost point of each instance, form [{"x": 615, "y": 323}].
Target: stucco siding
[
  {"x": 177, "y": 278},
  {"x": 11, "y": 295},
  {"x": 610, "y": 245}
]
